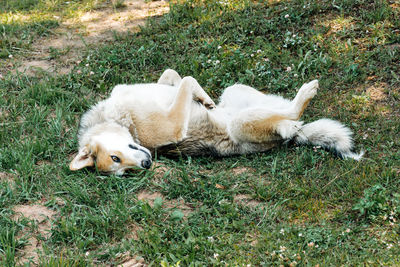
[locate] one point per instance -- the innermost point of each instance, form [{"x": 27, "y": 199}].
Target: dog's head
[{"x": 111, "y": 149}]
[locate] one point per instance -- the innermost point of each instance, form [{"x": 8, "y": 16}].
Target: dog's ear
[{"x": 82, "y": 160}]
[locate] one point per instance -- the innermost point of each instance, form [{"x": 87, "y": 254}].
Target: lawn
[{"x": 291, "y": 206}]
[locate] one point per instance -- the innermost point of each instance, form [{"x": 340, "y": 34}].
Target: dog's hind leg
[
  {"x": 259, "y": 124},
  {"x": 306, "y": 92},
  {"x": 170, "y": 77}
]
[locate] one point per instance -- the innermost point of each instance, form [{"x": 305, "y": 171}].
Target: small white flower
[
  {"x": 217, "y": 61},
  {"x": 56, "y": 17},
  {"x": 259, "y": 51},
  {"x": 216, "y": 255},
  {"x": 266, "y": 59},
  {"x": 78, "y": 62},
  {"x": 87, "y": 253},
  {"x": 251, "y": 32},
  {"x": 210, "y": 239},
  {"x": 316, "y": 246},
  {"x": 282, "y": 231},
  {"x": 248, "y": 265},
  {"x": 348, "y": 230},
  {"x": 219, "y": 47},
  {"x": 87, "y": 65},
  {"x": 91, "y": 73},
  {"x": 252, "y": 55},
  {"x": 286, "y": 16},
  {"x": 282, "y": 248},
  {"x": 289, "y": 69},
  {"x": 10, "y": 56},
  {"x": 389, "y": 246},
  {"x": 300, "y": 234},
  {"x": 295, "y": 75},
  {"x": 209, "y": 61}
]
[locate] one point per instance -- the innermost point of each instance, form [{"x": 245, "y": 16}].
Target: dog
[{"x": 175, "y": 116}]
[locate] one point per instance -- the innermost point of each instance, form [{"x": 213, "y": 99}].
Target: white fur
[{"x": 331, "y": 135}]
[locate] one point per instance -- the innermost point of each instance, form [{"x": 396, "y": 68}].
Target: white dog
[{"x": 176, "y": 116}]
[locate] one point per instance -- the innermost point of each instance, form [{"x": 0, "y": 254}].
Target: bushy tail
[{"x": 328, "y": 134}]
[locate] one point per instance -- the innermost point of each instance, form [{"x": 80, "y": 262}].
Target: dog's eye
[
  {"x": 133, "y": 147},
  {"x": 116, "y": 159}
]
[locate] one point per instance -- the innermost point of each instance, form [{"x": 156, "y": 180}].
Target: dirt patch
[
  {"x": 59, "y": 53},
  {"x": 377, "y": 91},
  {"x": 133, "y": 229},
  {"x": 6, "y": 177},
  {"x": 246, "y": 200},
  {"x": 132, "y": 261},
  {"x": 42, "y": 217},
  {"x": 379, "y": 98},
  {"x": 150, "y": 197},
  {"x": 242, "y": 170},
  {"x": 160, "y": 169}
]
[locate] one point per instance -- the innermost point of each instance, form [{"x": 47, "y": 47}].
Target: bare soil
[
  {"x": 74, "y": 36},
  {"x": 167, "y": 203},
  {"x": 42, "y": 217},
  {"x": 246, "y": 200}
]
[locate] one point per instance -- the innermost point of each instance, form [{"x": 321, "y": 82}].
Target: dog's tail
[{"x": 329, "y": 134}]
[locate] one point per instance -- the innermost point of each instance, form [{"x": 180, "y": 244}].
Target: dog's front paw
[{"x": 208, "y": 103}]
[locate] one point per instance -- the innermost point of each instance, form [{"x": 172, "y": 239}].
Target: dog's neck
[{"x": 97, "y": 115}]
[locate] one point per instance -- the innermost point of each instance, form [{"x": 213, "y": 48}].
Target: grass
[{"x": 313, "y": 208}]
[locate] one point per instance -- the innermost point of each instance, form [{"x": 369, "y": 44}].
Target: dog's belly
[{"x": 144, "y": 95}]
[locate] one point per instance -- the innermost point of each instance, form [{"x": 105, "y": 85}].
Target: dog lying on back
[{"x": 176, "y": 116}]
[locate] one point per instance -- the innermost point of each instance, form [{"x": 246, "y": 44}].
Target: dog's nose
[{"x": 146, "y": 163}]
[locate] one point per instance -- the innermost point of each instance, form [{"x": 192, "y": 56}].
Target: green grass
[{"x": 315, "y": 208}]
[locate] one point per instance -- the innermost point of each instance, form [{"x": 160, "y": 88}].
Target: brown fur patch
[
  {"x": 168, "y": 130},
  {"x": 169, "y": 124},
  {"x": 103, "y": 158},
  {"x": 261, "y": 130},
  {"x": 303, "y": 108}
]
